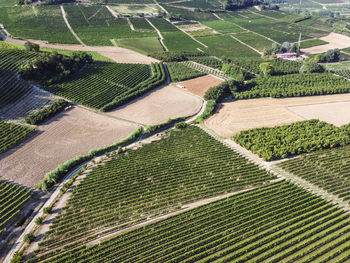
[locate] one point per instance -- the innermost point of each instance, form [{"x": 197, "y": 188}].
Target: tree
[
  {"x": 266, "y": 68},
  {"x": 29, "y": 238},
  {"x": 17, "y": 257},
  {"x": 310, "y": 66},
  {"x": 30, "y": 46},
  {"x": 332, "y": 55}
]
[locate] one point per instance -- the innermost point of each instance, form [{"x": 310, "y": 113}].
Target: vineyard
[
  {"x": 294, "y": 85},
  {"x": 275, "y": 223},
  {"x": 41, "y": 22},
  {"x": 12, "y": 88},
  {"x": 329, "y": 169},
  {"x": 12, "y": 134},
  {"x": 96, "y": 26},
  {"x": 179, "y": 72},
  {"x": 300, "y": 137},
  {"x": 185, "y": 166},
  {"x": 12, "y": 198},
  {"x": 101, "y": 82}
]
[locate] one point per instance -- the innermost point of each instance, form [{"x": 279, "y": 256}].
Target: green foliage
[
  {"x": 47, "y": 210},
  {"x": 179, "y": 72},
  {"x": 41, "y": 115},
  {"x": 29, "y": 238},
  {"x": 217, "y": 93},
  {"x": 207, "y": 61},
  {"x": 153, "y": 129},
  {"x": 59, "y": 172},
  {"x": 266, "y": 69},
  {"x": 312, "y": 43},
  {"x": 332, "y": 55},
  {"x": 99, "y": 83},
  {"x": 175, "y": 56},
  {"x": 30, "y": 46},
  {"x": 234, "y": 71},
  {"x": 12, "y": 134},
  {"x": 310, "y": 66},
  {"x": 38, "y": 220},
  {"x": 185, "y": 166},
  {"x": 12, "y": 199},
  {"x": 300, "y": 137},
  {"x": 237, "y": 4},
  {"x": 181, "y": 125},
  {"x": 17, "y": 257},
  {"x": 208, "y": 111},
  {"x": 293, "y": 85},
  {"x": 49, "y": 68},
  {"x": 277, "y": 221},
  {"x": 328, "y": 169}
]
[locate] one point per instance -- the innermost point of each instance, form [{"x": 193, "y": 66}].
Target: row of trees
[{"x": 237, "y": 4}]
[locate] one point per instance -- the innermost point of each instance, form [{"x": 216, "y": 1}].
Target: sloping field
[
  {"x": 335, "y": 41},
  {"x": 67, "y": 135},
  {"x": 199, "y": 86},
  {"x": 37, "y": 22},
  {"x": 233, "y": 117},
  {"x": 160, "y": 105}
]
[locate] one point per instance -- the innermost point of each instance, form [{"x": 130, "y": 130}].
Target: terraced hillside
[
  {"x": 12, "y": 198},
  {"x": 185, "y": 166},
  {"x": 275, "y": 223}
]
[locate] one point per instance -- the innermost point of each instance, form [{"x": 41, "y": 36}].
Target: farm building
[{"x": 289, "y": 56}]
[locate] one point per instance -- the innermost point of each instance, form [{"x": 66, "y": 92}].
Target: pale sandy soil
[
  {"x": 337, "y": 113},
  {"x": 63, "y": 137},
  {"x": 159, "y": 105},
  {"x": 240, "y": 115},
  {"x": 200, "y": 85},
  {"x": 117, "y": 54},
  {"x": 335, "y": 41}
]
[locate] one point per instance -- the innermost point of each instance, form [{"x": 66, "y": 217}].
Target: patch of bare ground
[
  {"x": 117, "y": 54},
  {"x": 199, "y": 86},
  {"x": 70, "y": 133},
  {"x": 233, "y": 117},
  {"x": 335, "y": 41},
  {"x": 159, "y": 105}
]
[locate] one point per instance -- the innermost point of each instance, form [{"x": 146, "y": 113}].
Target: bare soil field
[
  {"x": 71, "y": 133},
  {"x": 337, "y": 113},
  {"x": 335, "y": 41},
  {"x": 199, "y": 86},
  {"x": 159, "y": 105},
  {"x": 117, "y": 54},
  {"x": 233, "y": 117}
]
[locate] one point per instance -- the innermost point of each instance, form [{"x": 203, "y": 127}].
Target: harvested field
[
  {"x": 337, "y": 113},
  {"x": 63, "y": 137},
  {"x": 200, "y": 85},
  {"x": 240, "y": 115},
  {"x": 159, "y": 105},
  {"x": 335, "y": 41}
]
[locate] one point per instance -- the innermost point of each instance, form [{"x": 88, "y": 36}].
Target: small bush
[
  {"x": 38, "y": 220},
  {"x": 29, "y": 238},
  {"x": 181, "y": 125},
  {"x": 47, "y": 210},
  {"x": 17, "y": 257}
]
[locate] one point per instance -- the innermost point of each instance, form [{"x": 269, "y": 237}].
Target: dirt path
[
  {"x": 262, "y": 15},
  {"x": 64, "y": 15},
  {"x": 161, "y": 38},
  {"x": 218, "y": 17},
  {"x": 130, "y": 24},
  {"x": 257, "y": 51}
]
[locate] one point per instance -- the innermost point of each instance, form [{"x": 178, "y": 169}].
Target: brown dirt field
[
  {"x": 159, "y": 105},
  {"x": 240, "y": 115},
  {"x": 335, "y": 41},
  {"x": 199, "y": 86},
  {"x": 63, "y": 137}
]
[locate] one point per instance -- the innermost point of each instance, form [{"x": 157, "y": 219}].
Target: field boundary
[
  {"x": 161, "y": 38},
  {"x": 257, "y": 51},
  {"x": 64, "y": 15}
]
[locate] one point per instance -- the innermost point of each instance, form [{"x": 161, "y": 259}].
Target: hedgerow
[
  {"x": 41, "y": 115},
  {"x": 286, "y": 140},
  {"x": 179, "y": 72}
]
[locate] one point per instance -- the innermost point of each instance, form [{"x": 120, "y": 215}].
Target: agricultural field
[
  {"x": 293, "y": 139},
  {"x": 145, "y": 45},
  {"x": 96, "y": 26},
  {"x": 159, "y": 105},
  {"x": 294, "y": 85},
  {"x": 12, "y": 199},
  {"x": 179, "y": 72},
  {"x": 199, "y": 86},
  {"x": 334, "y": 40},
  {"x": 37, "y": 22},
  {"x": 223, "y": 26},
  {"x": 328, "y": 169},
  {"x": 157, "y": 178},
  {"x": 11, "y": 87},
  {"x": 69, "y": 134},
  {"x": 12, "y": 134},
  {"x": 101, "y": 82},
  {"x": 275, "y": 223},
  {"x": 312, "y": 43},
  {"x": 254, "y": 40},
  {"x": 131, "y": 9}
]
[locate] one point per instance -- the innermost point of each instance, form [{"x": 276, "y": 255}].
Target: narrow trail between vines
[
  {"x": 64, "y": 15},
  {"x": 161, "y": 38}
]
